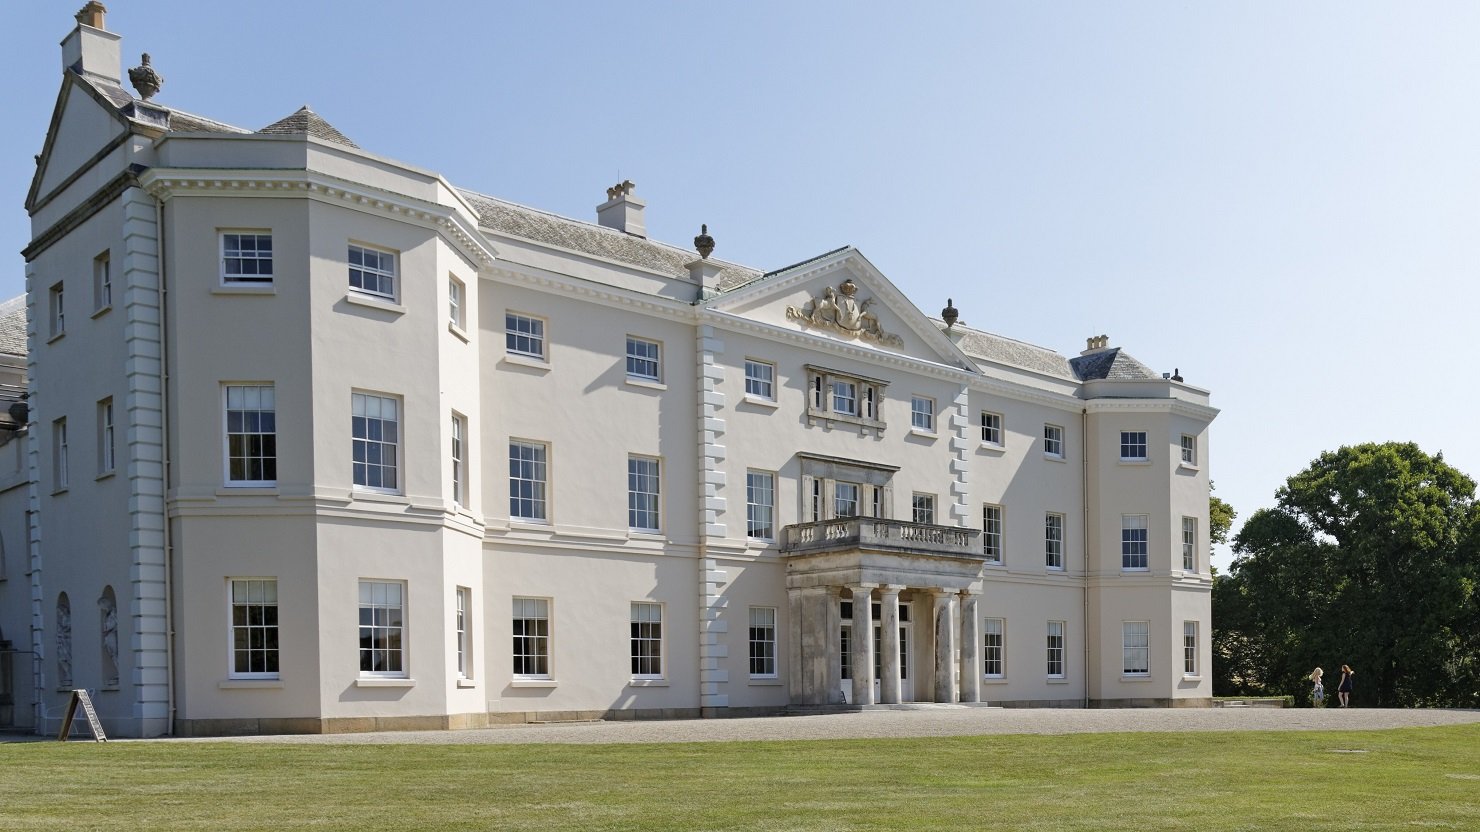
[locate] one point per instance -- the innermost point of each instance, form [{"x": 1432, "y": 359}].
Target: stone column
[
  {"x": 794, "y": 672},
  {"x": 889, "y": 660},
  {"x": 832, "y": 658},
  {"x": 971, "y": 647},
  {"x": 814, "y": 643},
  {"x": 945, "y": 645},
  {"x": 862, "y": 653}
]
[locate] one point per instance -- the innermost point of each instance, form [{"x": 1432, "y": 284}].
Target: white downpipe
[{"x": 164, "y": 423}]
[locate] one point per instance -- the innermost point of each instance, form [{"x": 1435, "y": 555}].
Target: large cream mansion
[{"x": 317, "y": 441}]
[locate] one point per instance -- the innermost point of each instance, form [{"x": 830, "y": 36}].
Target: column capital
[
  {"x": 970, "y": 593},
  {"x": 891, "y": 589},
  {"x": 938, "y": 592},
  {"x": 857, "y": 588}
]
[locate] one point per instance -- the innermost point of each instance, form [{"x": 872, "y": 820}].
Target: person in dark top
[{"x": 1344, "y": 690}]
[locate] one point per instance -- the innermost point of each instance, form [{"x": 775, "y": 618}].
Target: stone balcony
[{"x": 876, "y": 534}]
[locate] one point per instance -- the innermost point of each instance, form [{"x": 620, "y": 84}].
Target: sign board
[{"x": 80, "y": 697}]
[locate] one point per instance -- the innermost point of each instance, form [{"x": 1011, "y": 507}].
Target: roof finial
[
  {"x": 704, "y": 243},
  {"x": 1176, "y": 374},
  {"x": 145, "y": 79},
  {"x": 950, "y": 314}
]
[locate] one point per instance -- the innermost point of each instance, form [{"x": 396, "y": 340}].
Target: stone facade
[{"x": 356, "y": 449}]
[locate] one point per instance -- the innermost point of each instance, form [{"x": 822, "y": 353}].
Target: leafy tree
[
  {"x": 1370, "y": 558},
  {"x": 1220, "y": 517}
]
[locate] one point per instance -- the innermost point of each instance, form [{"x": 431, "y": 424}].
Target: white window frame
[
  {"x": 1189, "y": 544},
  {"x": 1133, "y": 446},
  {"x": 366, "y": 401},
  {"x": 1053, "y": 541},
  {"x": 992, "y": 428},
  {"x": 59, "y": 461},
  {"x": 531, "y": 624},
  {"x": 1189, "y": 449},
  {"x": 922, "y": 414},
  {"x": 647, "y": 629},
  {"x": 107, "y": 449},
  {"x": 57, "y": 309},
  {"x": 458, "y": 457},
  {"x": 1057, "y": 652},
  {"x": 843, "y": 397},
  {"x": 760, "y": 380},
  {"x": 396, "y": 622},
  {"x": 462, "y": 611},
  {"x": 994, "y": 648},
  {"x": 239, "y": 275},
  {"x": 643, "y": 471},
  {"x": 267, "y": 596},
  {"x": 385, "y": 279},
  {"x": 760, "y": 505},
  {"x": 1053, "y": 441},
  {"x": 1135, "y": 547},
  {"x": 643, "y": 353},
  {"x": 1135, "y": 648},
  {"x": 762, "y": 643},
  {"x": 922, "y": 505},
  {"x": 1189, "y": 648},
  {"x": 524, "y": 335},
  {"x": 992, "y": 529},
  {"x": 847, "y": 494},
  {"x": 248, "y": 391},
  {"x": 102, "y": 282},
  {"x": 457, "y": 298},
  {"x": 529, "y": 503}
]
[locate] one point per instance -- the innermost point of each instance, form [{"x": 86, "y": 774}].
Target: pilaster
[
  {"x": 33, "y": 499},
  {"x": 713, "y": 680},
  {"x": 961, "y": 453},
  {"x": 143, "y": 359}
]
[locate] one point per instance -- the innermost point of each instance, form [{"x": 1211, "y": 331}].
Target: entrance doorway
[{"x": 906, "y": 690}]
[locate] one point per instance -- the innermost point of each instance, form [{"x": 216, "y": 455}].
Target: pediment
[
  {"x": 841, "y": 297},
  {"x": 81, "y": 127}
]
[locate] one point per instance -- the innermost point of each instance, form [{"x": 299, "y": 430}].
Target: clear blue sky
[{"x": 1282, "y": 199}]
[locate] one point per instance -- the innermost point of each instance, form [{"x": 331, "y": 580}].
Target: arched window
[{"x": 64, "y": 641}]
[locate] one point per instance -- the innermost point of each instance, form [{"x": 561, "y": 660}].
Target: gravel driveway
[{"x": 927, "y": 721}]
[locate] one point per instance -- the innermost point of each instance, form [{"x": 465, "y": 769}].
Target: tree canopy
[{"x": 1369, "y": 558}]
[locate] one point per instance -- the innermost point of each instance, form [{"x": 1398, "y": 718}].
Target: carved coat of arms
[{"x": 840, "y": 311}]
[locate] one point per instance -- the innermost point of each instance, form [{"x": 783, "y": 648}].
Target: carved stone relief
[{"x": 838, "y": 310}]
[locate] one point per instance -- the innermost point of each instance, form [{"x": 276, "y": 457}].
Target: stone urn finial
[
  {"x": 950, "y": 314},
  {"x": 704, "y": 243},
  {"x": 145, "y": 79}
]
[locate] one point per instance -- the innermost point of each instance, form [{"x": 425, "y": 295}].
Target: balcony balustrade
[{"x": 879, "y": 534}]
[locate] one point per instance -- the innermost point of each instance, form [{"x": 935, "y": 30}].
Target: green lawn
[{"x": 1423, "y": 777}]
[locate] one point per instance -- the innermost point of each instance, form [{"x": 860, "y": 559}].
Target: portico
[{"x": 868, "y": 561}]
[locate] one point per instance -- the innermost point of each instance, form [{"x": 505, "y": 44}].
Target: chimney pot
[{"x": 92, "y": 14}]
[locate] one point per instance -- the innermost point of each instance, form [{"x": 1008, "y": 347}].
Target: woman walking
[
  {"x": 1344, "y": 690},
  {"x": 1317, "y": 693}
]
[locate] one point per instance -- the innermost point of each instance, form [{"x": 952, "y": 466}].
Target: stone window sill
[
  {"x": 105, "y": 475},
  {"x": 1187, "y": 466},
  {"x": 250, "y": 684},
  {"x": 534, "y": 683},
  {"x": 765, "y": 683},
  {"x": 458, "y": 331},
  {"x": 248, "y": 289},
  {"x": 1137, "y": 678},
  {"x": 467, "y": 683},
  {"x": 1134, "y": 461},
  {"x": 369, "y": 301},
  {"x": 384, "y": 682},
  {"x": 1055, "y": 458},
  {"x": 648, "y": 683},
  {"x": 100, "y": 311},
  {"x": 997, "y": 680},
  {"x": 529, "y": 361},
  {"x": 380, "y": 497},
  {"x": 1057, "y": 681},
  {"x": 771, "y": 404},
  {"x": 646, "y": 383},
  {"x": 992, "y": 448},
  {"x": 924, "y": 434}
]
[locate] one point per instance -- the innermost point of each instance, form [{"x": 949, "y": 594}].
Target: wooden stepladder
[{"x": 80, "y": 697}]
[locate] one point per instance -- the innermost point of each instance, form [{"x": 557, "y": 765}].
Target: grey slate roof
[
  {"x": 1113, "y": 363},
  {"x": 306, "y": 121},
  {"x": 985, "y": 345},
  {"x": 13, "y": 326},
  {"x": 542, "y": 227}
]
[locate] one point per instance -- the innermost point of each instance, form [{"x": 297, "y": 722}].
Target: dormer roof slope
[
  {"x": 1113, "y": 363},
  {"x": 307, "y": 122}
]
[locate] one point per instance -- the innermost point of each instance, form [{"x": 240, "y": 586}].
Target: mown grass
[{"x": 1423, "y": 777}]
